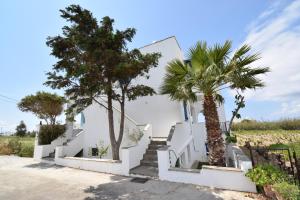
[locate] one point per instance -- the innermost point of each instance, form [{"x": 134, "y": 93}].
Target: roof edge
[{"x": 159, "y": 41}]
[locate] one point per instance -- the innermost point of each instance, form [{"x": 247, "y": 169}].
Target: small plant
[
  {"x": 267, "y": 174},
  {"x": 136, "y": 135},
  {"x": 15, "y": 145},
  {"x": 102, "y": 150},
  {"x": 287, "y": 191},
  {"x": 231, "y": 139}
]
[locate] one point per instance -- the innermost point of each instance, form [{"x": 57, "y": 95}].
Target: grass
[
  {"x": 270, "y": 138},
  {"x": 9, "y": 144},
  {"x": 23, "y": 140},
  {"x": 267, "y": 137}
]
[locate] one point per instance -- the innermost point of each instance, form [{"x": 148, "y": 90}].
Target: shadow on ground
[
  {"x": 122, "y": 189},
  {"x": 43, "y": 166}
]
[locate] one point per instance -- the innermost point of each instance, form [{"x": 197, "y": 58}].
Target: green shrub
[
  {"x": 266, "y": 174},
  {"x": 26, "y": 151},
  {"x": 231, "y": 139},
  {"x": 287, "y": 191},
  {"x": 48, "y": 133},
  {"x": 15, "y": 145}
]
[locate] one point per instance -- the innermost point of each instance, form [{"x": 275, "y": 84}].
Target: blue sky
[{"x": 272, "y": 27}]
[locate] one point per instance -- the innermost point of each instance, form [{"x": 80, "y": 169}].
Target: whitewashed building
[{"x": 172, "y": 136}]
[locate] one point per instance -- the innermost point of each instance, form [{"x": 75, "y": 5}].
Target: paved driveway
[{"x": 22, "y": 178}]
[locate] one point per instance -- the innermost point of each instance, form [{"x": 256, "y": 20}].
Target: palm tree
[{"x": 212, "y": 69}]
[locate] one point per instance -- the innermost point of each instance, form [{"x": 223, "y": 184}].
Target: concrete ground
[{"x": 22, "y": 178}]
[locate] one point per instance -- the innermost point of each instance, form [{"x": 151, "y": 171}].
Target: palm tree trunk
[{"x": 214, "y": 134}]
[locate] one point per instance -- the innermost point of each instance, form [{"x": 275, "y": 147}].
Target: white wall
[
  {"x": 158, "y": 110},
  {"x": 131, "y": 156},
  {"x": 218, "y": 177},
  {"x": 97, "y": 165}
]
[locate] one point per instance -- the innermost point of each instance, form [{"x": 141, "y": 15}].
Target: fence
[{"x": 283, "y": 157}]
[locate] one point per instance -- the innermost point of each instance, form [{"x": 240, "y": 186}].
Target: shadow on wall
[{"x": 122, "y": 189}]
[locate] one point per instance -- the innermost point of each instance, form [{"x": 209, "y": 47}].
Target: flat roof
[{"x": 159, "y": 41}]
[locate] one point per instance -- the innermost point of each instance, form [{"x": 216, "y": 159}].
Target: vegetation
[
  {"x": 267, "y": 137},
  {"x": 284, "y": 124},
  {"x": 263, "y": 175},
  {"x": 287, "y": 191},
  {"x": 267, "y": 174},
  {"x": 93, "y": 60},
  {"x": 102, "y": 150},
  {"x": 136, "y": 135},
  {"x": 211, "y": 70},
  {"x": 21, "y": 129},
  {"x": 240, "y": 103},
  {"x": 21, "y": 146},
  {"x": 44, "y": 105},
  {"x": 48, "y": 133}
]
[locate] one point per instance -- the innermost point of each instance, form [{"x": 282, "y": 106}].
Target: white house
[{"x": 172, "y": 135}]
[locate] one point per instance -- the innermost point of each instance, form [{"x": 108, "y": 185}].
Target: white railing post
[{"x": 163, "y": 162}]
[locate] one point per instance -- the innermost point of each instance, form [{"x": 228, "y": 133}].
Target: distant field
[
  {"x": 271, "y": 138},
  {"x": 267, "y": 137},
  {"x": 13, "y": 145},
  {"x": 23, "y": 140}
]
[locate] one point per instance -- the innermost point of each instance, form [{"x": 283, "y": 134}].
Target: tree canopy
[
  {"x": 210, "y": 70},
  {"x": 21, "y": 129},
  {"x": 44, "y": 105},
  {"x": 94, "y": 61}
]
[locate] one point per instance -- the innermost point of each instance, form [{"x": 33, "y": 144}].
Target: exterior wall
[
  {"x": 238, "y": 157},
  {"x": 97, "y": 165},
  {"x": 158, "y": 110},
  {"x": 197, "y": 107},
  {"x": 131, "y": 156},
  {"x": 217, "y": 177}
]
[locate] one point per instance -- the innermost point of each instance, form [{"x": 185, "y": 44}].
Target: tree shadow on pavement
[
  {"x": 122, "y": 189},
  {"x": 43, "y": 166}
]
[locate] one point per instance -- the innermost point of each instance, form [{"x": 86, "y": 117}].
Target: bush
[
  {"x": 15, "y": 145},
  {"x": 5, "y": 149},
  {"x": 26, "y": 151},
  {"x": 287, "y": 191},
  {"x": 267, "y": 174},
  {"x": 48, "y": 133},
  {"x": 285, "y": 124}
]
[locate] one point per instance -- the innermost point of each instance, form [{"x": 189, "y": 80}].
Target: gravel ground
[{"x": 23, "y": 178}]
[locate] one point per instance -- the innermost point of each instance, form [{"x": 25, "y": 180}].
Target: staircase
[{"x": 149, "y": 164}]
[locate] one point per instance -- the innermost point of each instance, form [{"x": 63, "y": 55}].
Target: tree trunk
[
  {"x": 122, "y": 122},
  {"x": 214, "y": 134},
  {"x": 114, "y": 145}
]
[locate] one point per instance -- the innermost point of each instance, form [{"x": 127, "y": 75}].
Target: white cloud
[{"x": 277, "y": 38}]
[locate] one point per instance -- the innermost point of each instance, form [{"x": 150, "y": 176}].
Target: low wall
[
  {"x": 131, "y": 156},
  {"x": 211, "y": 176},
  {"x": 91, "y": 164},
  {"x": 238, "y": 157},
  {"x": 41, "y": 151}
]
